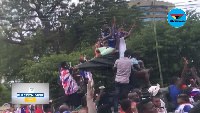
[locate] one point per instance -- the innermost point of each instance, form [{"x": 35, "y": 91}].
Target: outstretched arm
[
  {"x": 99, "y": 96},
  {"x": 194, "y": 74},
  {"x": 111, "y": 33},
  {"x": 183, "y": 74},
  {"x": 130, "y": 32},
  {"x": 114, "y": 23},
  {"x": 90, "y": 94}
]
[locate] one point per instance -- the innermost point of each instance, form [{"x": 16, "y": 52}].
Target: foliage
[
  {"x": 174, "y": 43},
  {"x": 5, "y": 94}
]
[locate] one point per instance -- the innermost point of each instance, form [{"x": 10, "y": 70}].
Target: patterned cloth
[
  {"x": 184, "y": 108},
  {"x": 123, "y": 66},
  {"x": 69, "y": 84}
]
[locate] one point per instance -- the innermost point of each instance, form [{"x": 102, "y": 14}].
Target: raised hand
[
  {"x": 90, "y": 89},
  {"x": 133, "y": 25},
  {"x": 114, "y": 19},
  {"x": 185, "y": 60},
  {"x": 194, "y": 72}
]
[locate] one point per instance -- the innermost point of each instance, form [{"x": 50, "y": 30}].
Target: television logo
[
  {"x": 30, "y": 93},
  {"x": 176, "y": 18},
  {"x": 31, "y": 90}
]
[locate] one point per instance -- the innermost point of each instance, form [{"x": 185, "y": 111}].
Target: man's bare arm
[
  {"x": 130, "y": 32},
  {"x": 111, "y": 33},
  {"x": 194, "y": 74},
  {"x": 183, "y": 74},
  {"x": 114, "y": 23}
]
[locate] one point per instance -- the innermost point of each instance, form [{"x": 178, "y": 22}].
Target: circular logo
[{"x": 176, "y": 18}]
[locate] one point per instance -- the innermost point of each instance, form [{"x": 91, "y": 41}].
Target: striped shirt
[{"x": 123, "y": 66}]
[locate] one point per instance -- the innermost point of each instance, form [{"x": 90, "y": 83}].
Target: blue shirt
[
  {"x": 135, "y": 62},
  {"x": 174, "y": 92},
  {"x": 112, "y": 39}
]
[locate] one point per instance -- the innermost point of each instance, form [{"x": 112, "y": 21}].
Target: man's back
[{"x": 123, "y": 66}]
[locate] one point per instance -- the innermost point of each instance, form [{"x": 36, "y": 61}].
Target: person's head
[
  {"x": 175, "y": 80},
  {"x": 81, "y": 60},
  {"x": 193, "y": 83},
  {"x": 47, "y": 107},
  {"x": 134, "y": 97},
  {"x": 63, "y": 108},
  {"x": 187, "y": 90},
  {"x": 106, "y": 29},
  {"x": 138, "y": 91},
  {"x": 126, "y": 105},
  {"x": 84, "y": 101},
  {"x": 136, "y": 54},
  {"x": 183, "y": 98},
  {"x": 156, "y": 101},
  {"x": 146, "y": 106},
  {"x": 64, "y": 65},
  {"x": 127, "y": 53}
]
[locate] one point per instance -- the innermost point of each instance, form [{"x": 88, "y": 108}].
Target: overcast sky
[{"x": 182, "y": 4}]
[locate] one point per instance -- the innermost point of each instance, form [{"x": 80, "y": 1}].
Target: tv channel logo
[
  {"x": 30, "y": 93},
  {"x": 177, "y": 18}
]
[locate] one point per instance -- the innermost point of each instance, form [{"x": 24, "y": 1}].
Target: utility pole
[{"x": 157, "y": 51}]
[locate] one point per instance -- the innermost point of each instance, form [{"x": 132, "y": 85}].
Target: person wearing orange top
[{"x": 98, "y": 45}]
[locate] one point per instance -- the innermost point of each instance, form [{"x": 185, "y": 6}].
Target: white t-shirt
[
  {"x": 122, "y": 47},
  {"x": 163, "y": 110}
]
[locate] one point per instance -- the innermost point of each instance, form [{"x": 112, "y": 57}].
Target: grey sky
[{"x": 182, "y": 4}]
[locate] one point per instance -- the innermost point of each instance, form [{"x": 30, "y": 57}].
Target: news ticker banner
[{"x": 30, "y": 93}]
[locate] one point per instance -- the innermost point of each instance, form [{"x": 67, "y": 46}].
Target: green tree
[
  {"x": 174, "y": 43},
  {"x": 5, "y": 94}
]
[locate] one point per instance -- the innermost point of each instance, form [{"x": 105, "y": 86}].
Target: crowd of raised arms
[{"x": 127, "y": 97}]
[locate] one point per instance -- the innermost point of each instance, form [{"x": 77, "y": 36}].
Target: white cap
[
  {"x": 154, "y": 90},
  {"x": 101, "y": 87}
]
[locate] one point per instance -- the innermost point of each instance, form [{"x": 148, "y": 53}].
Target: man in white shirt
[{"x": 122, "y": 44}]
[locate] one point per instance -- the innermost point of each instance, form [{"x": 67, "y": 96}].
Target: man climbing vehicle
[
  {"x": 110, "y": 35},
  {"x": 69, "y": 85},
  {"x": 139, "y": 71}
]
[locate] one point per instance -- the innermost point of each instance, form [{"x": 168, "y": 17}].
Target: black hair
[
  {"x": 46, "y": 107},
  {"x": 64, "y": 65},
  {"x": 125, "y": 104},
  {"x": 127, "y": 53},
  {"x": 174, "y": 80},
  {"x": 81, "y": 60},
  {"x": 136, "y": 54},
  {"x": 136, "y": 90},
  {"x": 184, "y": 97},
  {"x": 63, "y": 108},
  {"x": 154, "y": 97},
  {"x": 106, "y": 28},
  {"x": 84, "y": 101},
  {"x": 187, "y": 90},
  {"x": 142, "y": 105}
]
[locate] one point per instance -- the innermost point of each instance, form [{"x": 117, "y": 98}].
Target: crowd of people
[
  {"x": 78, "y": 85},
  {"x": 183, "y": 98},
  {"x": 128, "y": 68}
]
